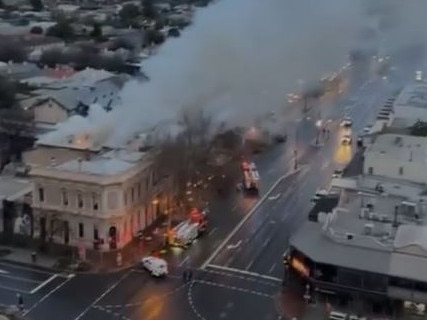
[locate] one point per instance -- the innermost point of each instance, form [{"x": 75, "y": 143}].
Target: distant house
[
  {"x": 57, "y": 99},
  {"x": 47, "y": 111},
  {"x": 33, "y": 42}
]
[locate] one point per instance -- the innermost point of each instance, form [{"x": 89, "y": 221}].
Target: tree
[
  {"x": 121, "y": 43},
  {"x": 200, "y": 168},
  {"x": 96, "y": 31},
  {"x": 13, "y": 51},
  {"x": 154, "y": 37},
  {"x": 62, "y": 29},
  {"x": 113, "y": 63},
  {"x": 37, "y": 5},
  {"x": 174, "y": 32},
  {"x": 129, "y": 13},
  {"x": 36, "y": 30},
  {"x": 148, "y": 9}
]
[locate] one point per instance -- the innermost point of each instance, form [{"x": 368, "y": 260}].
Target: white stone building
[
  {"x": 397, "y": 156},
  {"x": 101, "y": 198}
]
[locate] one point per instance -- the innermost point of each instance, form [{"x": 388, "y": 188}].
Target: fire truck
[
  {"x": 250, "y": 177},
  {"x": 189, "y": 230}
]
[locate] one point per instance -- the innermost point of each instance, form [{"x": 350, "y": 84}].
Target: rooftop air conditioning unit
[
  {"x": 349, "y": 236},
  {"x": 369, "y": 228}
]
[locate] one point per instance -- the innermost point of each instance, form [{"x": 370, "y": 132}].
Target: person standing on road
[{"x": 20, "y": 301}]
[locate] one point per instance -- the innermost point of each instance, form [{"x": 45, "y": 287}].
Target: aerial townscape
[{"x": 213, "y": 160}]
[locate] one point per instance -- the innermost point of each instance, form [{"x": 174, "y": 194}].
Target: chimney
[
  {"x": 52, "y": 161},
  {"x": 80, "y": 160}
]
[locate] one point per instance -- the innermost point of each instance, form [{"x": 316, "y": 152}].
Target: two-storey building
[{"x": 99, "y": 199}]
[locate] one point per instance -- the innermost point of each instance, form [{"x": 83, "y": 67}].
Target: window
[
  {"x": 139, "y": 195},
  {"x": 95, "y": 204},
  {"x": 370, "y": 170},
  {"x": 79, "y": 200},
  {"x": 41, "y": 194},
  {"x": 81, "y": 230},
  {"x": 95, "y": 233},
  {"x": 64, "y": 197},
  {"x": 401, "y": 171}
]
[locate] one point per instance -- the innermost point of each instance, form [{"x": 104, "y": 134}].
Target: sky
[{"x": 240, "y": 59}]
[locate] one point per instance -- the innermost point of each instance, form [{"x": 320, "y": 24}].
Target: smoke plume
[{"x": 239, "y": 60}]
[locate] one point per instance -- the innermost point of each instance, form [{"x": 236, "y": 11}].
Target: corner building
[{"x": 100, "y": 201}]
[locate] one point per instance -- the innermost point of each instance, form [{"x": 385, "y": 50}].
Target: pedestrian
[
  {"x": 190, "y": 275},
  {"x": 184, "y": 276},
  {"x": 34, "y": 257},
  {"x": 20, "y": 301}
]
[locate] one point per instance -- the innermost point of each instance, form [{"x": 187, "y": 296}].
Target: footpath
[{"x": 150, "y": 242}]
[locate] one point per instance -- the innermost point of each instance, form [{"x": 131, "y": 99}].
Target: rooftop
[
  {"x": 380, "y": 230},
  {"x": 110, "y": 163},
  {"x": 414, "y": 95},
  {"x": 401, "y": 147},
  {"x": 12, "y": 188}
]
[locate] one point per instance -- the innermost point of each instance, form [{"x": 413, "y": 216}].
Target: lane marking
[
  {"x": 215, "y": 284},
  {"x": 3, "y": 272},
  {"x": 43, "y": 284},
  {"x": 245, "y": 272},
  {"x": 35, "y": 305},
  {"x": 212, "y": 231},
  {"x": 20, "y": 279},
  {"x": 234, "y": 246},
  {"x": 8, "y": 264},
  {"x": 277, "y": 196},
  {"x": 102, "y": 295},
  {"x": 246, "y": 218},
  {"x": 250, "y": 264},
  {"x": 13, "y": 289},
  {"x": 183, "y": 262},
  {"x": 272, "y": 267}
]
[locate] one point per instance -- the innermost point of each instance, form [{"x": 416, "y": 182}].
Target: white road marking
[
  {"x": 248, "y": 273},
  {"x": 234, "y": 246},
  {"x": 3, "y": 271},
  {"x": 111, "y": 288},
  {"x": 246, "y": 218},
  {"x": 43, "y": 284},
  {"x": 234, "y": 207},
  {"x": 277, "y": 196},
  {"x": 212, "y": 231},
  {"x": 272, "y": 267},
  {"x": 250, "y": 264},
  {"x": 215, "y": 284},
  {"x": 14, "y": 266},
  {"x": 183, "y": 262},
  {"x": 46, "y": 296}
]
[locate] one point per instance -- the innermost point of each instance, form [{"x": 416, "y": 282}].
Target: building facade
[
  {"x": 100, "y": 202},
  {"x": 370, "y": 253}
]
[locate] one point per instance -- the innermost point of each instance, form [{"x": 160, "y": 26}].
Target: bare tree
[{"x": 199, "y": 161}]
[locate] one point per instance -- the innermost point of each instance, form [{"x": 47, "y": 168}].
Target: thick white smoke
[{"x": 238, "y": 60}]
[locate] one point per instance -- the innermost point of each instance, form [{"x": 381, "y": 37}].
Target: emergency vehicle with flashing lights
[
  {"x": 250, "y": 176},
  {"x": 189, "y": 230}
]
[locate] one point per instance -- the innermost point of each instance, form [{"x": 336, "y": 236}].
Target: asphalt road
[{"x": 258, "y": 246}]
